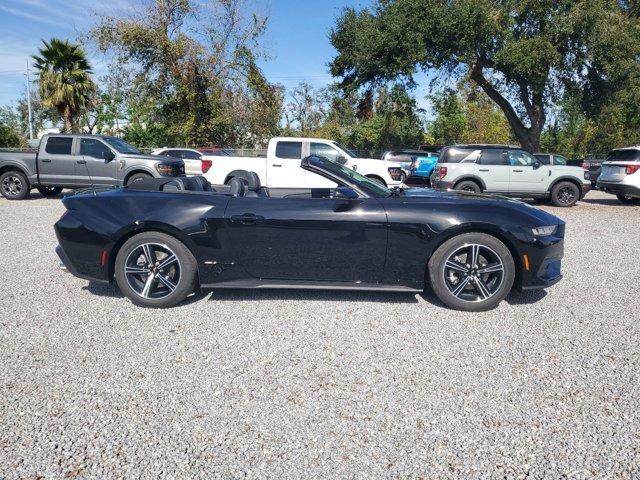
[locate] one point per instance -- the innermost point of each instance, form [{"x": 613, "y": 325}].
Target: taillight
[
  {"x": 631, "y": 169},
  {"x": 206, "y": 165},
  {"x": 442, "y": 172},
  {"x": 586, "y": 165}
]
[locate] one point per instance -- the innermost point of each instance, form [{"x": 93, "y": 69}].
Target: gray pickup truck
[{"x": 77, "y": 161}]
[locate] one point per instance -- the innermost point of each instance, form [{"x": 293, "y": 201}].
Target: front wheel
[
  {"x": 565, "y": 194},
  {"x": 628, "y": 200},
  {"x": 472, "y": 272},
  {"x": 155, "y": 270},
  {"x": 137, "y": 177},
  {"x": 50, "y": 191},
  {"x": 14, "y": 185},
  {"x": 468, "y": 186}
]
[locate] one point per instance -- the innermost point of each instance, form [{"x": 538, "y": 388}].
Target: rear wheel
[
  {"x": 155, "y": 270},
  {"x": 628, "y": 200},
  {"x": 565, "y": 194},
  {"x": 137, "y": 177},
  {"x": 472, "y": 272},
  {"x": 50, "y": 191},
  {"x": 14, "y": 185},
  {"x": 468, "y": 186},
  {"x": 377, "y": 180}
]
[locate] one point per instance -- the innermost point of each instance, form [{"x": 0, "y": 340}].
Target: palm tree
[{"x": 65, "y": 80}]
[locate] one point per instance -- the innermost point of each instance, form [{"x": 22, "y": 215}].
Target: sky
[{"x": 296, "y": 38}]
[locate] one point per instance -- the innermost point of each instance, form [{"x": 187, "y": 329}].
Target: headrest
[
  {"x": 236, "y": 187},
  {"x": 253, "y": 181}
]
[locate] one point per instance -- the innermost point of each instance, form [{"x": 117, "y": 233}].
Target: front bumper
[
  {"x": 540, "y": 259},
  {"x": 619, "y": 188}
]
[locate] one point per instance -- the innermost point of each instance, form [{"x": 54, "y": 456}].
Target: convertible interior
[{"x": 249, "y": 186}]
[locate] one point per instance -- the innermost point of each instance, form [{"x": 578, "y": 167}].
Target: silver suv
[
  {"x": 621, "y": 175},
  {"x": 508, "y": 170}
]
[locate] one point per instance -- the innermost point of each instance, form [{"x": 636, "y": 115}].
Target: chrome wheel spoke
[
  {"x": 491, "y": 268},
  {"x": 167, "y": 261},
  {"x": 482, "y": 288},
  {"x": 148, "y": 285},
  {"x": 130, "y": 270},
  {"x": 475, "y": 253},
  {"x": 458, "y": 267},
  {"x": 170, "y": 285},
  {"x": 149, "y": 254},
  {"x": 460, "y": 287}
]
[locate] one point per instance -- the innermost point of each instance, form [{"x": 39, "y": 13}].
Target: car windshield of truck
[
  {"x": 345, "y": 150},
  {"x": 351, "y": 176},
  {"x": 121, "y": 146}
]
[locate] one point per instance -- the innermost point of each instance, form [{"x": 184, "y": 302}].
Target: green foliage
[
  {"x": 64, "y": 80},
  {"x": 522, "y": 53}
]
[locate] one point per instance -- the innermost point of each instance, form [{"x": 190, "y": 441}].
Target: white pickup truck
[{"x": 281, "y": 167}]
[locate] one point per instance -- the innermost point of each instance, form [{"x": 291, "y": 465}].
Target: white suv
[
  {"x": 621, "y": 175},
  {"x": 511, "y": 171}
]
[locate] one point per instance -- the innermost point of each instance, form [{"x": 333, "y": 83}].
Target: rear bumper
[
  {"x": 619, "y": 188},
  {"x": 67, "y": 266}
]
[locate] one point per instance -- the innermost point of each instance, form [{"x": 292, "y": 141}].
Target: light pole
[{"x": 29, "y": 102}]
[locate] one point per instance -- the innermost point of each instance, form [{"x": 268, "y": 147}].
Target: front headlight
[
  {"x": 164, "y": 168},
  {"x": 544, "y": 231}
]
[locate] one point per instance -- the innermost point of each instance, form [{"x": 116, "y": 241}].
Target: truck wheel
[
  {"x": 628, "y": 200},
  {"x": 154, "y": 269},
  {"x": 468, "y": 186},
  {"x": 137, "y": 176},
  {"x": 565, "y": 194},
  {"x": 377, "y": 180},
  {"x": 49, "y": 191},
  {"x": 14, "y": 185}
]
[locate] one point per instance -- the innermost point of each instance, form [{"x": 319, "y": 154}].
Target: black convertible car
[{"x": 161, "y": 238}]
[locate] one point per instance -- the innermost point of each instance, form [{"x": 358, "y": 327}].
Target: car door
[
  {"x": 94, "y": 167},
  {"x": 57, "y": 164},
  {"x": 308, "y": 236},
  {"x": 528, "y": 175},
  {"x": 284, "y": 167},
  {"x": 494, "y": 170}
]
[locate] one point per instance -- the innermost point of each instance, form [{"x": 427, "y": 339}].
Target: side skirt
[{"x": 310, "y": 285}]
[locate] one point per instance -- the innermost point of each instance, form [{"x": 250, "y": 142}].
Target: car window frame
[{"x": 95, "y": 140}]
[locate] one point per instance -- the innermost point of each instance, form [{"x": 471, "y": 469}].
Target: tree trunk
[{"x": 68, "y": 120}]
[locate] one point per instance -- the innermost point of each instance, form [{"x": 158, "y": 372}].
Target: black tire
[
  {"x": 628, "y": 200},
  {"x": 14, "y": 185},
  {"x": 180, "y": 273},
  {"x": 137, "y": 176},
  {"x": 50, "y": 191},
  {"x": 445, "y": 281},
  {"x": 468, "y": 186},
  {"x": 403, "y": 178},
  {"x": 565, "y": 194},
  {"x": 377, "y": 180}
]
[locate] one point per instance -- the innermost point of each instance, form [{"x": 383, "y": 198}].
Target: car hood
[{"x": 428, "y": 196}]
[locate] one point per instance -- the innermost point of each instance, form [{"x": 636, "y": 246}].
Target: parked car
[
  {"x": 621, "y": 175},
  {"x": 359, "y": 235},
  {"x": 195, "y": 162},
  {"x": 418, "y": 163},
  {"x": 77, "y": 160},
  {"x": 510, "y": 171},
  {"x": 281, "y": 167}
]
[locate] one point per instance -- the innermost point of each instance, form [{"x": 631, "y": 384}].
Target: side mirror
[
  {"x": 346, "y": 192},
  {"x": 108, "y": 155},
  {"x": 341, "y": 159},
  {"x": 536, "y": 165}
]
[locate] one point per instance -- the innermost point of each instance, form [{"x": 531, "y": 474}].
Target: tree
[
  {"x": 521, "y": 53},
  {"x": 64, "y": 77}
]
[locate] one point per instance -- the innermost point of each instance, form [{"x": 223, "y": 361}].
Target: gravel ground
[{"x": 291, "y": 384}]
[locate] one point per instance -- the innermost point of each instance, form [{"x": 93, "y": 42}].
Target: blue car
[{"x": 418, "y": 164}]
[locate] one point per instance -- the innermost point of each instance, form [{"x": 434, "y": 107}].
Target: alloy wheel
[
  {"x": 473, "y": 273},
  {"x": 566, "y": 195},
  {"x": 12, "y": 186},
  {"x": 152, "y": 271}
]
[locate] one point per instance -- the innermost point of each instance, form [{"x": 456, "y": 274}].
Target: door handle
[
  {"x": 518, "y": 171},
  {"x": 484, "y": 169},
  {"x": 46, "y": 160},
  {"x": 246, "y": 218},
  {"x": 82, "y": 162},
  {"x": 276, "y": 164}
]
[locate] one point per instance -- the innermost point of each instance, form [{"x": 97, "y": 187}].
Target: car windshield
[
  {"x": 351, "y": 176},
  {"x": 560, "y": 160},
  {"x": 345, "y": 149},
  {"x": 121, "y": 146},
  {"x": 630, "y": 155}
]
